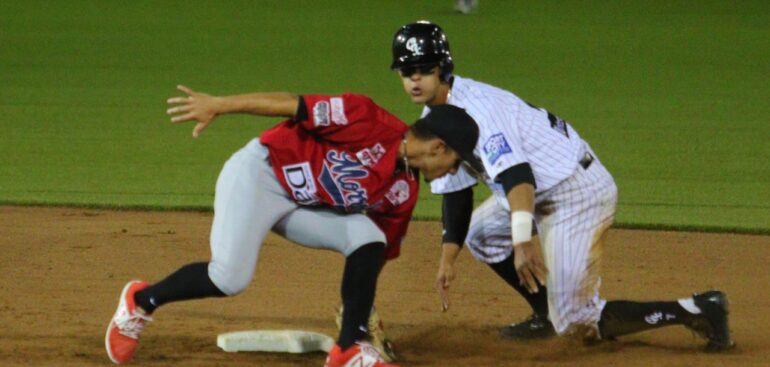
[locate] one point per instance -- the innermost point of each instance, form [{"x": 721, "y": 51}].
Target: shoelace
[{"x": 132, "y": 324}]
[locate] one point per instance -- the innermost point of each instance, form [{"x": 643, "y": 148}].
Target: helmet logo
[{"x": 414, "y": 46}]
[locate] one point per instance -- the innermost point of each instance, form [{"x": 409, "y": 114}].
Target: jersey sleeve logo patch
[
  {"x": 299, "y": 177},
  {"x": 338, "y": 111},
  {"x": 321, "y": 113},
  {"x": 495, "y": 147},
  {"x": 370, "y": 156},
  {"x": 398, "y": 193}
]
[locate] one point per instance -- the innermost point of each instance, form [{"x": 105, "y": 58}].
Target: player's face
[
  {"x": 421, "y": 82},
  {"x": 438, "y": 162}
]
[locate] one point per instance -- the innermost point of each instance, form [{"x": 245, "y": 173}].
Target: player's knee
[
  {"x": 362, "y": 236},
  {"x": 575, "y": 320},
  {"x": 229, "y": 281}
]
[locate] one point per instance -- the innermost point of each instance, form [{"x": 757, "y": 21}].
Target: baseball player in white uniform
[{"x": 540, "y": 171}]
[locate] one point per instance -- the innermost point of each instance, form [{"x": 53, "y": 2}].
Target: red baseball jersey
[{"x": 344, "y": 155}]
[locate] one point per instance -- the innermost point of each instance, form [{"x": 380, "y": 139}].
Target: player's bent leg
[
  {"x": 359, "y": 283},
  {"x": 489, "y": 240},
  {"x": 324, "y": 228},
  {"x": 248, "y": 202},
  {"x": 489, "y": 233},
  {"x": 572, "y": 252},
  {"x": 244, "y": 188}
]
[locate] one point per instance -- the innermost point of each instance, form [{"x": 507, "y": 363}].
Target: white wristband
[{"x": 521, "y": 226}]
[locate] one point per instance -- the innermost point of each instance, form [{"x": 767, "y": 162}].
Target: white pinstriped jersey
[{"x": 511, "y": 132}]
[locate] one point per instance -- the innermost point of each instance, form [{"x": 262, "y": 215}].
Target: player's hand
[
  {"x": 528, "y": 260},
  {"x": 195, "y": 106},
  {"x": 444, "y": 278}
]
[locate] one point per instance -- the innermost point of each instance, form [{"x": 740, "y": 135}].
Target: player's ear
[{"x": 438, "y": 146}]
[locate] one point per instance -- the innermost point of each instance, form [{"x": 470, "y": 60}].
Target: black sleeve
[
  {"x": 301, "y": 114},
  {"x": 518, "y": 174},
  {"x": 456, "y": 210}
]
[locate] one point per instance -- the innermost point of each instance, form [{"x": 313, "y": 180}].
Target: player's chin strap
[{"x": 409, "y": 173}]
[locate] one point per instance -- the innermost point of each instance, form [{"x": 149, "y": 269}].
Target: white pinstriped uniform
[{"x": 574, "y": 206}]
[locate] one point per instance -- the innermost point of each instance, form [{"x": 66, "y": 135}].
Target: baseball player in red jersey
[
  {"x": 338, "y": 175},
  {"x": 538, "y": 168}
]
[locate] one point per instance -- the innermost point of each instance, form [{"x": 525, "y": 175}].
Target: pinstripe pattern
[
  {"x": 573, "y": 206},
  {"x": 527, "y": 131},
  {"x": 572, "y": 220}
]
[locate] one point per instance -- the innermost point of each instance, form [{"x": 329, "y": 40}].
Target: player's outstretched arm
[{"x": 204, "y": 108}]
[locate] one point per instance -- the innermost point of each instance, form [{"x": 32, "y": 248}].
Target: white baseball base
[{"x": 289, "y": 341}]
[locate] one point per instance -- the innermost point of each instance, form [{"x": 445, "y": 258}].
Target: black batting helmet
[{"x": 422, "y": 43}]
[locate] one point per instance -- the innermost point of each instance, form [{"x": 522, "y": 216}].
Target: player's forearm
[
  {"x": 449, "y": 252},
  {"x": 522, "y": 198},
  {"x": 262, "y": 104}
]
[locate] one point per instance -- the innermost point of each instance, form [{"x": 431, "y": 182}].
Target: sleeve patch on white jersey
[
  {"x": 398, "y": 193},
  {"x": 338, "y": 111},
  {"x": 321, "y": 113},
  {"x": 495, "y": 147}
]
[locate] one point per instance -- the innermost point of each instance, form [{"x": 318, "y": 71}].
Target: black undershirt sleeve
[
  {"x": 456, "y": 210},
  {"x": 518, "y": 174},
  {"x": 301, "y": 114}
]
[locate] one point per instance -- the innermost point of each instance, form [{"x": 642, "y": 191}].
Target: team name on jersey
[
  {"x": 370, "y": 156},
  {"x": 299, "y": 177},
  {"x": 339, "y": 177}
]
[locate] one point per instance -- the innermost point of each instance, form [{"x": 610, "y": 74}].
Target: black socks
[
  {"x": 625, "y": 317},
  {"x": 506, "y": 270},
  {"x": 189, "y": 282},
  {"x": 359, "y": 282}
]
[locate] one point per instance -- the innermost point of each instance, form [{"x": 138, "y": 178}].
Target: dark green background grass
[{"x": 673, "y": 95}]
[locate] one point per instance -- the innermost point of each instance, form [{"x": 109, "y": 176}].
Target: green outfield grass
[{"x": 672, "y": 95}]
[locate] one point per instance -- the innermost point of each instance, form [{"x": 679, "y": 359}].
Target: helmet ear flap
[{"x": 445, "y": 69}]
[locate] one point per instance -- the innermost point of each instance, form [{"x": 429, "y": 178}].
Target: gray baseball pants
[{"x": 249, "y": 201}]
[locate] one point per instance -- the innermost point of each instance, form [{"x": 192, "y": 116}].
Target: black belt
[{"x": 586, "y": 161}]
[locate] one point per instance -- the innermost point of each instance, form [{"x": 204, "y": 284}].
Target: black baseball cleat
[
  {"x": 537, "y": 326},
  {"x": 711, "y": 323}
]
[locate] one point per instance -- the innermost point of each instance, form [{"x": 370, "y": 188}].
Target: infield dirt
[{"x": 63, "y": 269}]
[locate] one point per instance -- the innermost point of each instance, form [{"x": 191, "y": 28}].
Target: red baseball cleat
[
  {"x": 360, "y": 354},
  {"x": 123, "y": 333}
]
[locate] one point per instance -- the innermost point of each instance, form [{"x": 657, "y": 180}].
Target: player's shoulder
[
  {"x": 480, "y": 98},
  {"x": 369, "y": 110},
  {"x": 357, "y": 98},
  {"x": 471, "y": 88}
]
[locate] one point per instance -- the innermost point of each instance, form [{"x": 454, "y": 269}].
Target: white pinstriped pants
[{"x": 572, "y": 219}]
